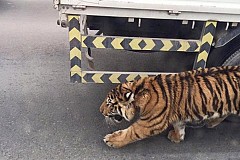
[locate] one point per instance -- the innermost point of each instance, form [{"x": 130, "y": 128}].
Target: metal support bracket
[
  {"x": 208, "y": 33},
  {"x": 150, "y": 44},
  {"x": 227, "y": 37},
  {"x": 86, "y": 56},
  {"x": 75, "y": 48}
]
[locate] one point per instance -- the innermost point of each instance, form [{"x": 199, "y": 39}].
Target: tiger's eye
[{"x": 118, "y": 118}]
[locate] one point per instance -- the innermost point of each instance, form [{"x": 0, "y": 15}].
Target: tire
[{"x": 233, "y": 60}]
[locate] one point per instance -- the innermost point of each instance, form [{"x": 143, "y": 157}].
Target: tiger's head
[{"x": 119, "y": 104}]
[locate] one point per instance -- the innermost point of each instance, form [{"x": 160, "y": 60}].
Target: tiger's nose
[{"x": 102, "y": 108}]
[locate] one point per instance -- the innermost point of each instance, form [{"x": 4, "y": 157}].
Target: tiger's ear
[{"x": 129, "y": 97}]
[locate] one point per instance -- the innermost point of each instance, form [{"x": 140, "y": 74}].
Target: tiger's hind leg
[
  {"x": 211, "y": 123},
  {"x": 178, "y": 133}
]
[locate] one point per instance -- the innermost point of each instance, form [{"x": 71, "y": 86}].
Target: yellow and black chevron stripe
[
  {"x": 112, "y": 77},
  {"x": 128, "y": 43},
  {"x": 206, "y": 42},
  {"x": 75, "y": 48},
  {"x": 77, "y": 41}
]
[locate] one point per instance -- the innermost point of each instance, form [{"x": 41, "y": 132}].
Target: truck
[{"x": 191, "y": 34}]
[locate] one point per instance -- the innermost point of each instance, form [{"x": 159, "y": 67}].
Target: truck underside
[{"x": 166, "y": 36}]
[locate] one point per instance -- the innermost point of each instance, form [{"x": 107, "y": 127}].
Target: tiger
[{"x": 172, "y": 100}]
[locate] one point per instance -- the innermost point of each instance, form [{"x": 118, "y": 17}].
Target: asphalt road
[{"x": 44, "y": 116}]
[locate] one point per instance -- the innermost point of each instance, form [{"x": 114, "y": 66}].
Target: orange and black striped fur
[{"x": 208, "y": 95}]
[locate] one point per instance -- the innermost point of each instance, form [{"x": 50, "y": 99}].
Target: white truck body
[{"x": 218, "y": 10}]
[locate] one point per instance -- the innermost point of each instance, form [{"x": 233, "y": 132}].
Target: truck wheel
[{"x": 233, "y": 60}]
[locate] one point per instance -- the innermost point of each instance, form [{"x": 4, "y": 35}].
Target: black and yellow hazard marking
[
  {"x": 128, "y": 43},
  {"x": 206, "y": 42},
  {"x": 75, "y": 48},
  {"x": 112, "y": 77}
]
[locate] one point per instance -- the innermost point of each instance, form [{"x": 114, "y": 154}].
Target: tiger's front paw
[
  {"x": 174, "y": 137},
  {"x": 116, "y": 139}
]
